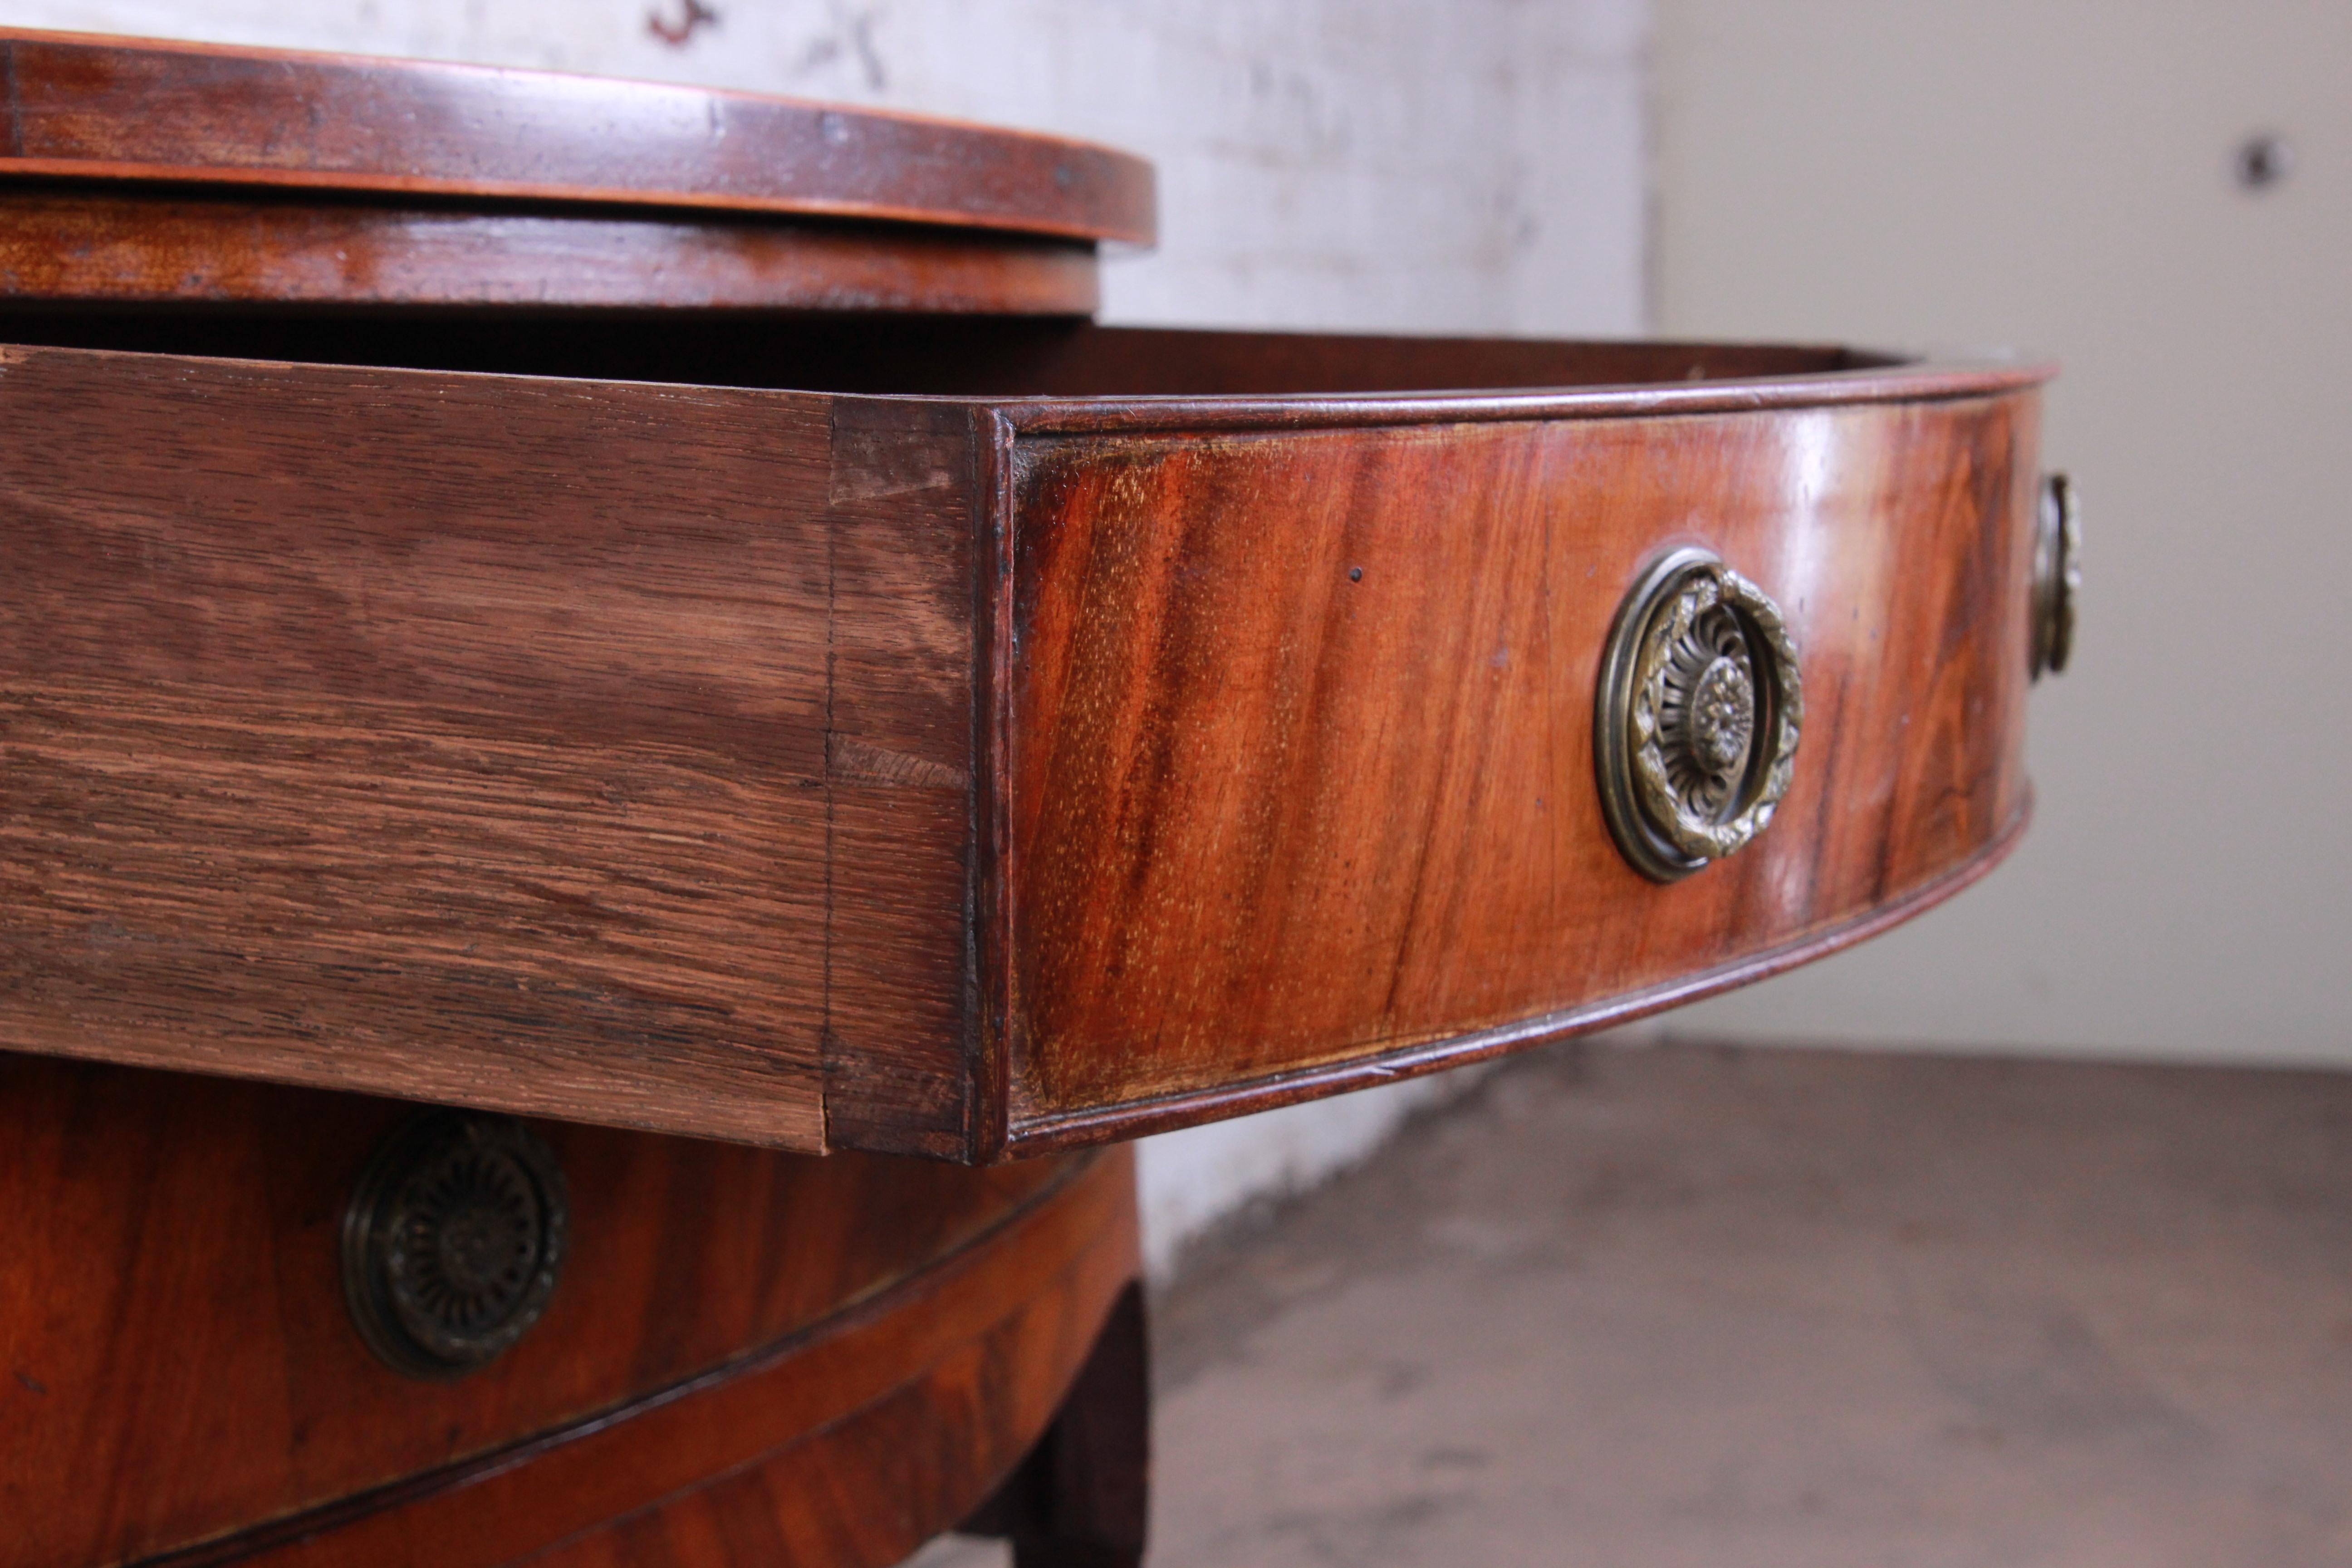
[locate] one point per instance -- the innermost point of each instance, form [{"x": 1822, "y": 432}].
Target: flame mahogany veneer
[
  {"x": 1295, "y": 777},
  {"x": 749, "y": 1357}
]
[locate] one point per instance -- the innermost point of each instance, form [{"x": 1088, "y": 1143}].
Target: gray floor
[{"x": 1689, "y": 1305}]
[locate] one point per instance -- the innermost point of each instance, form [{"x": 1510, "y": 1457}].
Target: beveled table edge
[
  {"x": 1905, "y": 380},
  {"x": 1077, "y": 190}
]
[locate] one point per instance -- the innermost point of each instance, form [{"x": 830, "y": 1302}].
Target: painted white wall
[
  {"x": 1465, "y": 165},
  {"x": 2056, "y": 173}
]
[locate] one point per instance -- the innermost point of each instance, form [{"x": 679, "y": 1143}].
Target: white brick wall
[{"x": 1465, "y": 165}]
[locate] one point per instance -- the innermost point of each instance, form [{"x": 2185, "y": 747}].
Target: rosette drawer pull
[
  {"x": 452, "y": 1242},
  {"x": 1697, "y": 720}
]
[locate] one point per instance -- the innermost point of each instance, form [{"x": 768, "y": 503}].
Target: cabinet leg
[{"x": 1080, "y": 1500}]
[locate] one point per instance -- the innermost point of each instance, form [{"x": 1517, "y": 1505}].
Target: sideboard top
[{"x": 89, "y": 108}]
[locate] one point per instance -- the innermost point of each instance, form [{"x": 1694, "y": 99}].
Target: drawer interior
[{"x": 960, "y": 356}]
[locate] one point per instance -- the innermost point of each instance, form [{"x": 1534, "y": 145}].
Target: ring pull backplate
[
  {"x": 2057, "y": 574},
  {"x": 1697, "y": 715}
]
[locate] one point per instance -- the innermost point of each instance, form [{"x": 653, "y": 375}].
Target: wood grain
[
  {"x": 462, "y": 741},
  {"x": 867, "y": 1345},
  {"x": 1082, "y": 1497},
  {"x": 899, "y": 1068},
  {"x": 1299, "y": 777},
  {"x": 99, "y": 245},
  {"x": 827, "y": 1500},
  {"x": 91, "y": 108},
  {"x": 944, "y": 775}
]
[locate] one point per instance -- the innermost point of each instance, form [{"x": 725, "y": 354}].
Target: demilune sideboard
[{"x": 629, "y": 750}]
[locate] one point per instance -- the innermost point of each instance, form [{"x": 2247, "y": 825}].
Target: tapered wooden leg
[{"x": 1080, "y": 1498}]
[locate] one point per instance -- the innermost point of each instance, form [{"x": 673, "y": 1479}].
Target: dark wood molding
[
  {"x": 97, "y": 246},
  {"x": 1841, "y": 388}
]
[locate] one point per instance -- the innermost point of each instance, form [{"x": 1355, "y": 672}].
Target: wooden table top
[{"x": 89, "y": 108}]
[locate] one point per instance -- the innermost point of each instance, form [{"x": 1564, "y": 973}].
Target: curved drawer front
[
  {"x": 953, "y": 775},
  {"x": 1299, "y": 780}
]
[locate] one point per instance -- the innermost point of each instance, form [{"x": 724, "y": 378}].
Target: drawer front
[
  {"x": 1299, "y": 783},
  {"x": 949, "y": 775}
]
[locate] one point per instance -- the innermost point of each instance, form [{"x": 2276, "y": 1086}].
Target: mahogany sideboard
[{"x": 650, "y": 622}]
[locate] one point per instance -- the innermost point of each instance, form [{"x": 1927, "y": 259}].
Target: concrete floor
[{"x": 1693, "y": 1306}]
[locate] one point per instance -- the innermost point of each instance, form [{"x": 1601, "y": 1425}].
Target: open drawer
[{"x": 1019, "y": 735}]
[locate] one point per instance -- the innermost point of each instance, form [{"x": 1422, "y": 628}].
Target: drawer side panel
[{"x": 457, "y": 738}]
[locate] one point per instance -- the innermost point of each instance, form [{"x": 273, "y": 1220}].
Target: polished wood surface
[
  {"x": 86, "y": 108},
  {"x": 946, "y": 776},
  {"x": 1298, "y": 775},
  {"x": 845, "y": 1355},
  {"x": 1082, "y": 1497},
  {"x": 87, "y": 245},
  {"x": 829, "y": 1498}
]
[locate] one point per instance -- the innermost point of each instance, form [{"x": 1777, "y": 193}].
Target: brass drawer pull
[
  {"x": 1697, "y": 717},
  {"x": 2057, "y": 574},
  {"x": 452, "y": 1242}
]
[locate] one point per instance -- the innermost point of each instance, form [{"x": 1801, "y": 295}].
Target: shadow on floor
[{"x": 1701, "y": 1306}]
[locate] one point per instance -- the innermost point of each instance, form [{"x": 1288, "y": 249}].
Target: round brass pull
[
  {"x": 1696, "y": 721},
  {"x": 2057, "y": 574},
  {"x": 452, "y": 1242}
]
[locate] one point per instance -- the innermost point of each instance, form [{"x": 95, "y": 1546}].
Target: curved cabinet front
[{"x": 747, "y": 1355}]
